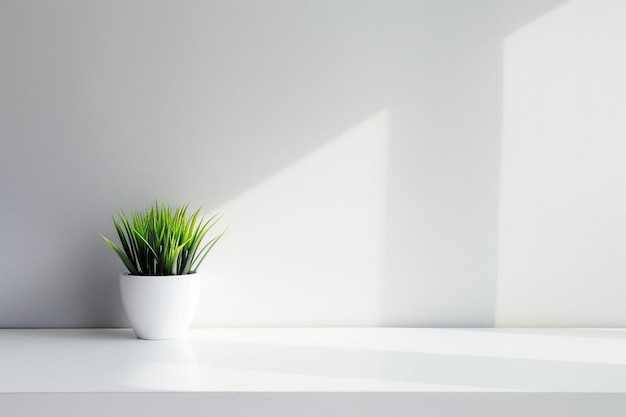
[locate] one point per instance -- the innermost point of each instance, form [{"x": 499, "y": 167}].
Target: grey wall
[{"x": 107, "y": 104}]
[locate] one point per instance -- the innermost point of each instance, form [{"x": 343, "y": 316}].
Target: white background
[
  {"x": 354, "y": 147},
  {"x": 562, "y": 242}
]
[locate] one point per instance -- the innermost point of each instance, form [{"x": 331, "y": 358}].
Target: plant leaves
[{"x": 162, "y": 241}]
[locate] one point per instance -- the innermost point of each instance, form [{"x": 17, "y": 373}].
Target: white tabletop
[{"x": 315, "y": 360}]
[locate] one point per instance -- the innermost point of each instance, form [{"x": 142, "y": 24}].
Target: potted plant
[{"x": 162, "y": 250}]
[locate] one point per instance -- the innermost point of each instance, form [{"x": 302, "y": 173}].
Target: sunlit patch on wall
[
  {"x": 562, "y": 228},
  {"x": 306, "y": 245}
]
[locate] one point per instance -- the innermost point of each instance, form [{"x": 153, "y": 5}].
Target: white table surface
[{"x": 338, "y": 360}]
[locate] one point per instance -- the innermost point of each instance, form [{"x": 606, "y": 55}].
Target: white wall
[
  {"x": 563, "y": 197},
  {"x": 353, "y": 146}
]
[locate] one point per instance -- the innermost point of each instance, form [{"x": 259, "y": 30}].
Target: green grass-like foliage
[{"x": 162, "y": 241}]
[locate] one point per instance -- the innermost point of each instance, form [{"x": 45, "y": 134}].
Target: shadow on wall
[
  {"x": 116, "y": 103},
  {"x": 444, "y": 165}
]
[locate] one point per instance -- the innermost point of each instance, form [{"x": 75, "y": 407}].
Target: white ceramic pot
[{"x": 160, "y": 307}]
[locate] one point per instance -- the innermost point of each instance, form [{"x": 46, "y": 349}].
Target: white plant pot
[{"x": 160, "y": 307}]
